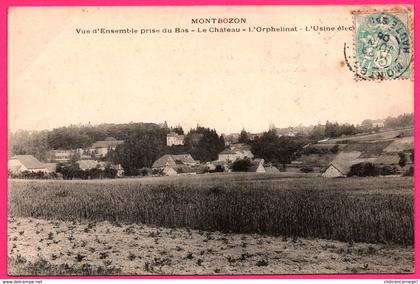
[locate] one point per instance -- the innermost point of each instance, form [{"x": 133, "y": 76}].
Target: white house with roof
[
  {"x": 21, "y": 163},
  {"x": 101, "y": 148},
  {"x": 174, "y": 139}
]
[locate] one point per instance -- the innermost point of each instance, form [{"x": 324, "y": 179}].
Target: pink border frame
[{"x": 5, "y": 4}]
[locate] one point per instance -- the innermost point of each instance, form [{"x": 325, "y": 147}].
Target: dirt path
[{"x": 139, "y": 249}]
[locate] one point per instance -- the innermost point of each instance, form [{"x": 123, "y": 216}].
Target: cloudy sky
[{"x": 226, "y": 81}]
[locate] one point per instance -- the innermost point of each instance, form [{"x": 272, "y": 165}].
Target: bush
[
  {"x": 241, "y": 165},
  {"x": 146, "y": 172},
  {"x": 370, "y": 170},
  {"x": 364, "y": 170},
  {"x": 34, "y": 175},
  {"x": 307, "y": 169},
  {"x": 219, "y": 169},
  {"x": 335, "y": 149},
  {"x": 157, "y": 172},
  {"x": 388, "y": 170},
  {"x": 94, "y": 173}
]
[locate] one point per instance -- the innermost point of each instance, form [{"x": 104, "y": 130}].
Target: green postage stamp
[{"x": 383, "y": 44}]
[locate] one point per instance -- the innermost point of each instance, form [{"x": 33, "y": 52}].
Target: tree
[
  {"x": 401, "y": 121},
  {"x": 206, "y": 149},
  {"x": 140, "y": 150},
  {"x": 317, "y": 133},
  {"x": 244, "y": 137},
  {"x": 276, "y": 149},
  {"x": 178, "y": 130},
  {"x": 367, "y": 124}
]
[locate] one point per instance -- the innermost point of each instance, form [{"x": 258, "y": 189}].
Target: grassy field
[{"x": 374, "y": 210}]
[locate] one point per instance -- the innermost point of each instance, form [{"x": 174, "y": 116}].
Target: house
[
  {"x": 244, "y": 150},
  {"x": 101, "y": 148},
  {"x": 174, "y": 160},
  {"x": 21, "y": 163},
  {"x": 288, "y": 131},
  {"x": 174, "y": 139},
  {"x": 378, "y": 123},
  {"x": 342, "y": 163},
  {"x": 235, "y": 152},
  {"x": 51, "y": 167},
  {"x": 85, "y": 154},
  {"x": 228, "y": 156},
  {"x": 271, "y": 170},
  {"x": 169, "y": 171},
  {"x": 335, "y": 170},
  {"x": 104, "y": 165},
  {"x": 182, "y": 163},
  {"x": 87, "y": 164},
  {"x": 60, "y": 156},
  {"x": 257, "y": 166}
]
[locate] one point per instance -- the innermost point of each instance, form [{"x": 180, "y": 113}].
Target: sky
[{"x": 226, "y": 81}]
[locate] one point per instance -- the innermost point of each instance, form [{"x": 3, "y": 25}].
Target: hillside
[{"x": 381, "y": 148}]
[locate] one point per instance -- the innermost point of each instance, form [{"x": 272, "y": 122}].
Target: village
[{"x": 389, "y": 151}]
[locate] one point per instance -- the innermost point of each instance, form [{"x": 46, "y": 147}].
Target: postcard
[{"x": 211, "y": 140}]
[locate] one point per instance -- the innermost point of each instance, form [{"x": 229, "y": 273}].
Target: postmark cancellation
[{"x": 383, "y": 44}]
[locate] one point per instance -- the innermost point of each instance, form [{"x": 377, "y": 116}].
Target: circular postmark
[{"x": 383, "y": 46}]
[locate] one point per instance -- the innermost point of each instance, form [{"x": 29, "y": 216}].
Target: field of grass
[
  {"x": 384, "y": 135},
  {"x": 399, "y": 145},
  {"x": 373, "y": 210},
  {"x": 368, "y": 149}
]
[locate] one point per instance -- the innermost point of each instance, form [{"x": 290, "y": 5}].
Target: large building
[
  {"x": 174, "y": 139},
  {"x": 60, "y": 156}
]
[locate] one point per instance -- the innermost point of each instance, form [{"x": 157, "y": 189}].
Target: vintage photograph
[{"x": 210, "y": 140}]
